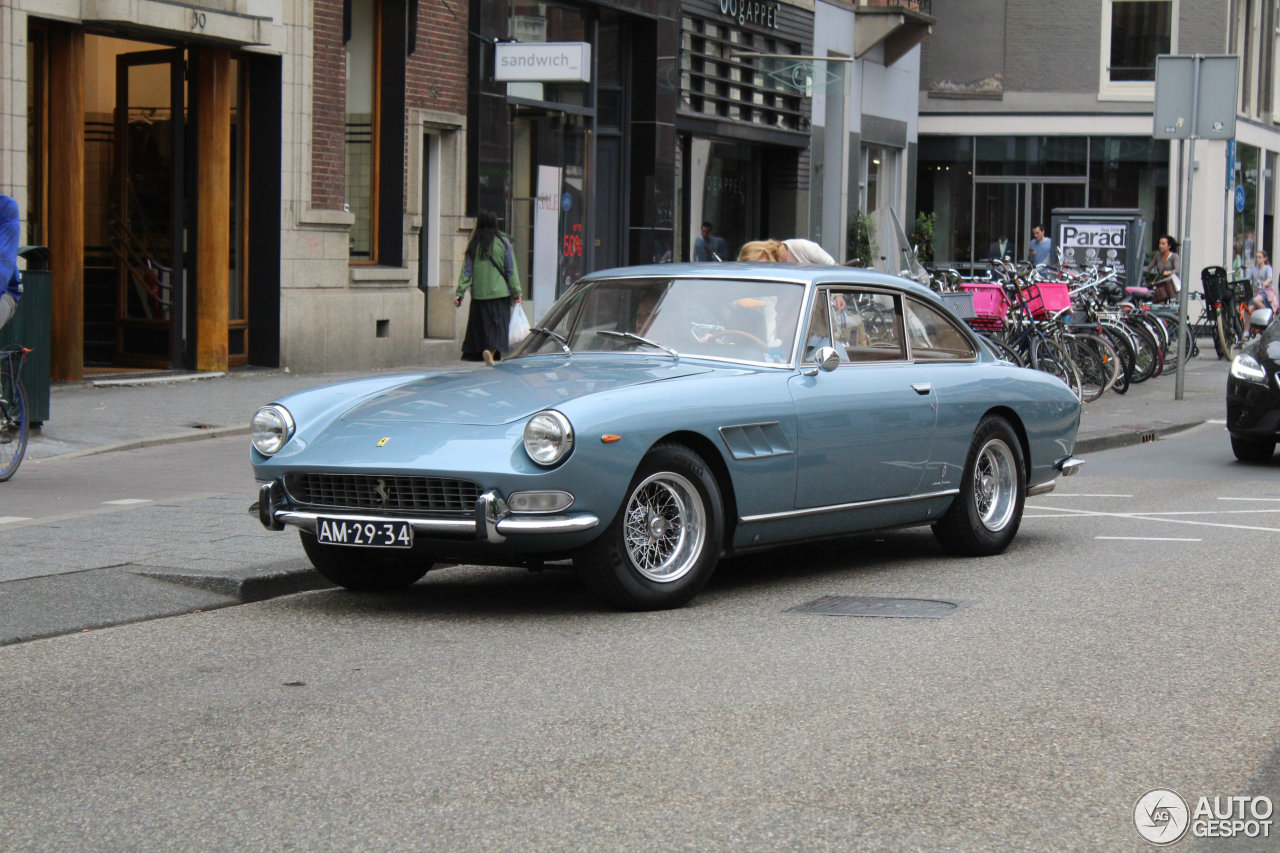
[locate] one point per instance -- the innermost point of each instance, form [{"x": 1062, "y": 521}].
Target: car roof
[{"x": 800, "y": 273}]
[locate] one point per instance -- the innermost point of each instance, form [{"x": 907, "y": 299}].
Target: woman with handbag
[
  {"x": 490, "y": 271},
  {"x": 1165, "y": 265}
]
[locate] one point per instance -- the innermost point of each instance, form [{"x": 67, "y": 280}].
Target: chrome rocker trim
[
  {"x": 493, "y": 521},
  {"x": 820, "y": 510}
]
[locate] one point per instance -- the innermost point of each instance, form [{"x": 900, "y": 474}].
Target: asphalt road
[{"x": 1125, "y": 642}]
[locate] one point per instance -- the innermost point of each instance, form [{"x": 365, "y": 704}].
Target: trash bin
[{"x": 32, "y": 327}]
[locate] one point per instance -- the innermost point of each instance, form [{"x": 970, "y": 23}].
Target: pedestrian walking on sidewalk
[{"x": 490, "y": 271}]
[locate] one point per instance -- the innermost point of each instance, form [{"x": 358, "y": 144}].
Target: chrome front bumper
[{"x": 492, "y": 521}]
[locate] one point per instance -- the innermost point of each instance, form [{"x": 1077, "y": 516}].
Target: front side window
[
  {"x": 1134, "y": 33},
  {"x": 933, "y": 337},
  {"x": 862, "y": 325}
]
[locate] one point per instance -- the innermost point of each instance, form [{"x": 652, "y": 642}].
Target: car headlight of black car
[
  {"x": 1247, "y": 368},
  {"x": 270, "y": 429},
  {"x": 548, "y": 437}
]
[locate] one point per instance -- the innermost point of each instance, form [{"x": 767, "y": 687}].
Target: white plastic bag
[
  {"x": 1177, "y": 282},
  {"x": 519, "y": 326}
]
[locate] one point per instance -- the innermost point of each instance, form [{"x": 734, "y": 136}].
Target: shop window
[
  {"x": 1134, "y": 33},
  {"x": 362, "y": 127},
  {"x": 376, "y": 44}
]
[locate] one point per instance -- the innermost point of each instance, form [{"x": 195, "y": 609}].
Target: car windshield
[{"x": 753, "y": 321}]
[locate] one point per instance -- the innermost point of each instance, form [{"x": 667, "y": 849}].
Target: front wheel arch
[{"x": 711, "y": 454}]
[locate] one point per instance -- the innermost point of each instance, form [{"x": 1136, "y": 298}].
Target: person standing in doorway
[
  {"x": 708, "y": 247},
  {"x": 1041, "y": 249},
  {"x": 490, "y": 271},
  {"x": 10, "y": 288}
]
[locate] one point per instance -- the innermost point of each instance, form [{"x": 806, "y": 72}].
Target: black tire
[
  {"x": 1223, "y": 336},
  {"x": 365, "y": 569},
  {"x": 985, "y": 516},
  {"x": 663, "y": 545},
  {"x": 14, "y": 424},
  {"x": 1254, "y": 450}
]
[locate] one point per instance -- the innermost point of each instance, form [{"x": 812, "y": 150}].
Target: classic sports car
[
  {"x": 660, "y": 417},
  {"x": 1253, "y": 398}
]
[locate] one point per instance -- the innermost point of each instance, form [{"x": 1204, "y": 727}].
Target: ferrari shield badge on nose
[{"x": 383, "y": 441}]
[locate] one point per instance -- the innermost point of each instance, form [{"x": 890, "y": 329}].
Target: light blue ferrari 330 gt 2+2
[{"x": 660, "y": 418}]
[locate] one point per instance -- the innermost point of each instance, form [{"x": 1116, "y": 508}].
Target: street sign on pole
[
  {"x": 1178, "y": 114},
  {"x": 1195, "y": 99}
]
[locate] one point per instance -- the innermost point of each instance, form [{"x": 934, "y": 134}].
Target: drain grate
[{"x": 867, "y": 605}]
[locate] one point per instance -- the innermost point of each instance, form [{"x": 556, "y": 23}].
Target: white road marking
[
  {"x": 1249, "y": 499},
  {"x": 1073, "y": 495},
  {"x": 1150, "y": 516},
  {"x": 13, "y": 519},
  {"x": 127, "y": 501},
  {"x": 1148, "y": 538}
]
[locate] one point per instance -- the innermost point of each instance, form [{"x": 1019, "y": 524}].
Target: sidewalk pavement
[{"x": 110, "y": 567}]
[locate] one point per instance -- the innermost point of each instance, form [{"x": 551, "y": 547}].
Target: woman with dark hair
[
  {"x": 490, "y": 271},
  {"x": 1166, "y": 267}
]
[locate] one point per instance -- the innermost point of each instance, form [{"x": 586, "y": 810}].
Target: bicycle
[{"x": 13, "y": 411}]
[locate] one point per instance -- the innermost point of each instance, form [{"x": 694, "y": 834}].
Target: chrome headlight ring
[
  {"x": 271, "y": 428},
  {"x": 548, "y": 437}
]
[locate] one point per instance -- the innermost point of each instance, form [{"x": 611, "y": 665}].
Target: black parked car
[{"x": 1253, "y": 397}]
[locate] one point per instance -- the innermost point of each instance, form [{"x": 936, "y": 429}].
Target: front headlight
[
  {"x": 272, "y": 426},
  {"x": 548, "y": 437},
  {"x": 1246, "y": 367}
]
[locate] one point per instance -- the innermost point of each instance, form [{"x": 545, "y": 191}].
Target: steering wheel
[{"x": 719, "y": 337}]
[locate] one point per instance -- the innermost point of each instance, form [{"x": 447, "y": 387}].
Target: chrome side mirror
[{"x": 827, "y": 358}]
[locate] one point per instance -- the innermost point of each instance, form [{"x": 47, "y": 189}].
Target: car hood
[{"x": 509, "y": 391}]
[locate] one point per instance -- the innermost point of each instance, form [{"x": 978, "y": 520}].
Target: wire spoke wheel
[
  {"x": 995, "y": 484},
  {"x": 664, "y": 527}
]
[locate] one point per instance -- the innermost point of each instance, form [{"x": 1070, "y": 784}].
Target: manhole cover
[{"x": 866, "y": 605}]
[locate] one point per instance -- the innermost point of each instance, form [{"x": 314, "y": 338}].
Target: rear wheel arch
[{"x": 1011, "y": 417}]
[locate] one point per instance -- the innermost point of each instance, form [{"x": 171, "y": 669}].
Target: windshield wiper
[
  {"x": 634, "y": 337},
  {"x": 564, "y": 344}
]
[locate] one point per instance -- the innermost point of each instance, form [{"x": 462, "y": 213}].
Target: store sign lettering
[
  {"x": 542, "y": 61},
  {"x": 1094, "y": 236},
  {"x": 751, "y": 12}
]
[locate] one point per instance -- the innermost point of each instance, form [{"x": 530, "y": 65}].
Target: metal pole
[{"x": 1185, "y": 352}]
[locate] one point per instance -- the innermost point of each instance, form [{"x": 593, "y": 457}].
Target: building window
[
  {"x": 361, "y": 198},
  {"x": 1134, "y": 33}
]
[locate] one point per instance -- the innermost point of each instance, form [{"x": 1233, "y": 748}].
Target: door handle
[{"x": 921, "y": 388}]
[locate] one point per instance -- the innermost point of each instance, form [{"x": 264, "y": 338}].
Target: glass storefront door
[
  {"x": 1005, "y": 211},
  {"x": 146, "y": 216}
]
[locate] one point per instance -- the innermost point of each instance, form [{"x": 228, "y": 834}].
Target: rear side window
[{"x": 933, "y": 337}]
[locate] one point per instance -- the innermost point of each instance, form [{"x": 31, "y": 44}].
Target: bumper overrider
[
  {"x": 1067, "y": 466},
  {"x": 493, "y": 521}
]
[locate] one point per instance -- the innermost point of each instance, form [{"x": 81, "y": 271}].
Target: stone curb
[
  {"x": 1130, "y": 436},
  {"x": 154, "y": 441}
]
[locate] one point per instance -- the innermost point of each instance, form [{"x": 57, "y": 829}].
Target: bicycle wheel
[
  {"x": 1113, "y": 366},
  {"x": 1052, "y": 358},
  {"x": 1148, "y": 360},
  {"x": 1124, "y": 355},
  {"x": 1223, "y": 334},
  {"x": 1094, "y": 373},
  {"x": 1003, "y": 350},
  {"x": 13, "y": 423}
]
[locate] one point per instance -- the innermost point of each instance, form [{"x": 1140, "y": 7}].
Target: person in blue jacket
[{"x": 10, "y": 286}]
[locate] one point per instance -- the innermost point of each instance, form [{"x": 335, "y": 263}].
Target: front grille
[{"x": 381, "y": 493}]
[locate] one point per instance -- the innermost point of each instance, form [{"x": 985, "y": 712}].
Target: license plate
[{"x": 367, "y": 534}]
